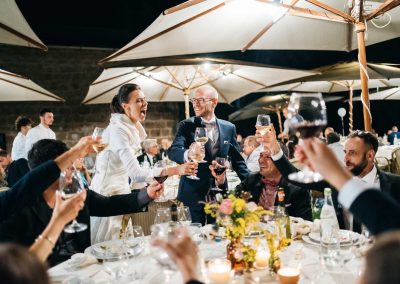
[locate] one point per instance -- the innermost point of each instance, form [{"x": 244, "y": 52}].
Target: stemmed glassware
[
  {"x": 263, "y": 123},
  {"x": 307, "y": 117},
  {"x": 184, "y": 216},
  {"x": 160, "y": 165},
  {"x": 201, "y": 136},
  {"x": 133, "y": 240},
  {"x": 196, "y": 153},
  {"x": 163, "y": 215},
  {"x": 98, "y": 132},
  {"x": 70, "y": 184}
]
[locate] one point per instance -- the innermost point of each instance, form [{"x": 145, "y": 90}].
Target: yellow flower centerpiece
[{"x": 239, "y": 218}]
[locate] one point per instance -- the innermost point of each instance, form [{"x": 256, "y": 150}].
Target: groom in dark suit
[{"x": 221, "y": 143}]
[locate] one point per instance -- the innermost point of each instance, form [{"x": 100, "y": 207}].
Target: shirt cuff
[
  {"x": 350, "y": 191},
  {"x": 185, "y": 156},
  {"x": 277, "y": 156},
  {"x": 143, "y": 198}
]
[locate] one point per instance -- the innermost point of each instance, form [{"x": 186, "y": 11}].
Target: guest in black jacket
[
  {"x": 26, "y": 225},
  {"x": 263, "y": 186}
]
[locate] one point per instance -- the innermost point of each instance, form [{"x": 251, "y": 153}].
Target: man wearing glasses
[{"x": 221, "y": 143}]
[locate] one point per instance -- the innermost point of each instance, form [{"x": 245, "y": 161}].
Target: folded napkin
[
  {"x": 80, "y": 260},
  {"x": 300, "y": 226}
]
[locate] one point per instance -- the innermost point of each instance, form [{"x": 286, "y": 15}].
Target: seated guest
[
  {"x": 22, "y": 124},
  {"x": 264, "y": 185},
  {"x": 25, "y": 226},
  {"x": 251, "y": 150},
  {"x": 5, "y": 160},
  {"x": 382, "y": 260},
  {"x": 394, "y": 134},
  {"x": 165, "y": 144},
  {"x": 18, "y": 265},
  {"x": 150, "y": 155},
  {"x": 333, "y": 141},
  {"x": 16, "y": 171},
  {"x": 23, "y": 194}
]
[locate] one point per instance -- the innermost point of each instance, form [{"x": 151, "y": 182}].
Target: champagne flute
[
  {"x": 263, "y": 123},
  {"x": 201, "y": 136},
  {"x": 98, "y": 133},
  {"x": 196, "y": 155},
  {"x": 70, "y": 184},
  {"x": 307, "y": 117}
]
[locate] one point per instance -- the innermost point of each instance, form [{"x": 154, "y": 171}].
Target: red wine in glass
[
  {"x": 308, "y": 130},
  {"x": 160, "y": 179},
  {"x": 219, "y": 170}
]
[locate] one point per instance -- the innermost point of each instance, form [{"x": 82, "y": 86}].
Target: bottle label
[{"x": 281, "y": 196}]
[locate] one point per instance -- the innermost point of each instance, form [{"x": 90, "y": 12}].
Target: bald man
[{"x": 221, "y": 143}]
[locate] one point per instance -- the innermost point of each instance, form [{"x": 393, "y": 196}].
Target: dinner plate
[
  {"x": 345, "y": 237},
  {"x": 358, "y": 241},
  {"x": 114, "y": 249}
]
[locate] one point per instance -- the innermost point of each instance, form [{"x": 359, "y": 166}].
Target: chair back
[
  {"x": 396, "y": 161},
  {"x": 382, "y": 163}
]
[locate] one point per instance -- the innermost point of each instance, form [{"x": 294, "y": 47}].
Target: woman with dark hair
[
  {"x": 22, "y": 125},
  {"x": 118, "y": 162},
  {"x": 18, "y": 266}
]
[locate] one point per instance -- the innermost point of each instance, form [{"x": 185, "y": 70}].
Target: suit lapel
[{"x": 385, "y": 183}]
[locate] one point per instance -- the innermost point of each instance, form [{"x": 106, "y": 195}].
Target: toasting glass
[
  {"x": 307, "y": 118},
  {"x": 201, "y": 136},
  {"x": 263, "y": 123},
  {"x": 98, "y": 133}
]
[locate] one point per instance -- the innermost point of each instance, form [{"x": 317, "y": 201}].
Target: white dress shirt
[
  {"x": 18, "y": 147},
  {"x": 252, "y": 159},
  {"x": 37, "y": 133}
]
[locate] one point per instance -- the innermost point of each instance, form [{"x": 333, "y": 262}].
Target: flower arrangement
[{"x": 236, "y": 215}]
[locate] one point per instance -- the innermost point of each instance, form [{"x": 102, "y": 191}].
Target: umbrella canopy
[
  {"x": 389, "y": 94},
  {"x": 175, "y": 83},
  {"x": 15, "y": 88},
  {"x": 267, "y": 24},
  {"x": 14, "y": 29}
]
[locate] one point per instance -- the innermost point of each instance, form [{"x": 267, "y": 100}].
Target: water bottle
[{"x": 329, "y": 233}]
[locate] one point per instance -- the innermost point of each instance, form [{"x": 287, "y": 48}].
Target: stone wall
[{"x": 68, "y": 72}]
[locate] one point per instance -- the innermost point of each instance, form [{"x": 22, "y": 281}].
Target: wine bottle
[{"x": 285, "y": 215}]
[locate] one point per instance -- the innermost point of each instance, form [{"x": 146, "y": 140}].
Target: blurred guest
[
  {"x": 291, "y": 145},
  {"x": 18, "y": 265},
  {"x": 333, "y": 141},
  {"x": 239, "y": 139},
  {"x": 5, "y": 159},
  {"x": 16, "y": 171},
  {"x": 83, "y": 171},
  {"x": 22, "y": 125},
  {"x": 394, "y": 135},
  {"x": 252, "y": 151},
  {"x": 165, "y": 144},
  {"x": 41, "y": 131},
  {"x": 286, "y": 125},
  {"x": 150, "y": 155},
  {"x": 327, "y": 131}
]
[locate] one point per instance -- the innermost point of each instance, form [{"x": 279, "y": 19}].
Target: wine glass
[
  {"x": 221, "y": 167},
  {"x": 196, "y": 153},
  {"x": 263, "y": 123},
  {"x": 98, "y": 133},
  {"x": 163, "y": 215},
  {"x": 307, "y": 118},
  {"x": 116, "y": 265},
  {"x": 70, "y": 184},
  {"x": 201, "y": 136},
  {"x": 133, "y": 240},
  {"x": 184, "y": 216},
  {"x": 160, "y": 165}
]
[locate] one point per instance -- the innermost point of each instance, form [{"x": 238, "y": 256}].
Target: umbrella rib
[
  {"x": 164, "y": 93},
  {"x": 391, "y": 94},
  {"x": 174, "y": 77},
  {"x": 160, "y": 81},
  {"x": 111, "y": 78},
  {"x": 182, "y": 6},
  {"x": 332, "y": 10},
  {"x": 250, "y": 80},
  {"x": 211, "y": 83},
  {"x": 24, "y": 37},
  {"x": 385, "y": 82},
  {"x": 384, "y": 7},
  {"x": 122, "y": 51},
  {"x": 194, "y": 76},
  {"x": 31, "y": 89}
]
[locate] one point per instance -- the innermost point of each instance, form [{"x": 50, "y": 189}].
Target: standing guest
[
  {"x": 394, "y": 134},
  {"x": 221, "y": 143},
  {"x": 165, "y": 144},
  {"x": 239, "y": 139},
  {"x": 117, "y": 163},
  {"x": 252, "y": 151},
  {"x": 286, "y": 125},
  {"x": 150, "y": 155},
  {"x": 22, "y": 125},
  {"x": 41, "y": 131}
]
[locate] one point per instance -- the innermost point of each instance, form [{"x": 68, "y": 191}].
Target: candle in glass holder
[
  {"x": 219, "y": 271},
  {"x": 262, "y": 259},
  {"x": 289, "y": 275}
]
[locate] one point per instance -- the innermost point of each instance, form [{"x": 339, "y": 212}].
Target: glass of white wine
[
  {"x": 196, "y": 153},
  {"x": 71, "y": 183},
  {"x": 263, "y": 123},
  {"x": 201, "y": 136},
  {"x": 98, "y": 133}
]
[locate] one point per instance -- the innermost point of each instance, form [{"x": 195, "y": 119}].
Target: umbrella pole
[
  {"x": 350, "y": 110},
  {"x": 186, "y": 96},
  {"x": 360, "y": 30},
  {"x": 278, "y": 113}
]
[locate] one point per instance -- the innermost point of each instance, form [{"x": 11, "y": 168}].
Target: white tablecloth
[
  {"x": 386, "y": 151},
  {"x": 143, "y": 268}
]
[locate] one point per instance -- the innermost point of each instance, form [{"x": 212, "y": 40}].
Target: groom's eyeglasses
[{"x": 200, "y": 100}]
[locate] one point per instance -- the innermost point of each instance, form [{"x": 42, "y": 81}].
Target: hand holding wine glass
[
  {"x": 98, "y": 133},
  {"x": 70, "y": 184},
  {"x": 201, "y": 136},
  {"x": 196, "y": 153}
]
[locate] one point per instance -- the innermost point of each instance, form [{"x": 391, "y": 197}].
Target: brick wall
[{"x": 68, "y": 72}]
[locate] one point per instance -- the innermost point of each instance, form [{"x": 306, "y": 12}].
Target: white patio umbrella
[
  {"x": 389, "y": 94},
  {"x": 14, "y": 87},
  {"x": 14, "y": 29},
  {"x": 175, "y": 83},
  {"x": 200, "y": 26}
]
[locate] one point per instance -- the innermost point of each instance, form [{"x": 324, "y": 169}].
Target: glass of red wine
[
  {"x": 160, "y": 165},
  {"x": 220, "y": 168},
  {"x": 307, "y": 117}
]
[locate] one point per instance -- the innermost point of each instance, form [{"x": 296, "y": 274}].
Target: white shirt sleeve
[
  {"x": 351, "y": 190},
  {"x": 30, "y": 140},
  {"x": 18, "y": 148},
  {"x": 277, "y": 156}
]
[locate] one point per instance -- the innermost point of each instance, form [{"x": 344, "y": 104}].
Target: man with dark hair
[
  {"x": 25, "y": 226},
  {"x": 22, "y": 125},
  {"x": 42, "y": 130},
  {"x": 265, "y": 183}
]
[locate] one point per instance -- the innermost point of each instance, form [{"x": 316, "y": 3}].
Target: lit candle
[
  {"x": 219, "y": 271},
  {"x": 262, "y": 259},
  {"x": 289, "y": 275}
]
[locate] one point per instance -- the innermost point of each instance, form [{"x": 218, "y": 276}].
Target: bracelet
[{"x": 41, "y": 237}]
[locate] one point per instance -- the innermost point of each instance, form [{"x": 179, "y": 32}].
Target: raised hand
[
  {"x": 220, "y": 179},
  {"x": 155, "y": 190},
  {"x": 269, "y": 140}
]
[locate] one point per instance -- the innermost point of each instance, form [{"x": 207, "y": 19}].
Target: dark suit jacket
[
  {"x": 192, "y": 191},
  {"x": 390, "y": 184},
  {"x": 378, "y": 211},
  {"x": 24, "y": 227},
  {"x": 297, "y": 199},
  {"x": 16, "y": 171},
  {"x": 144, "y": 157},
  {"x": 23, "y": 194}
]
